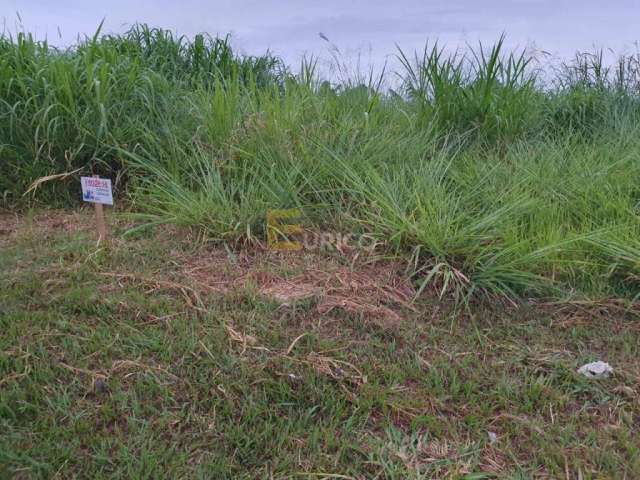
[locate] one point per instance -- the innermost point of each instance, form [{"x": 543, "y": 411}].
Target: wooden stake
[{"x": 100, "y": 223}]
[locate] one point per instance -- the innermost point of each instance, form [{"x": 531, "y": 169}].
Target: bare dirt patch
[
  {"x": 44, "y": 223},
  {"x": 8, "y": 226},
  {"x": 376, "y": 289}
]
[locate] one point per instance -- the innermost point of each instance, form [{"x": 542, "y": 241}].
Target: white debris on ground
[{"x": 597, "y": 369}]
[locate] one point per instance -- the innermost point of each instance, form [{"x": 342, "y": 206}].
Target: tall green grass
[
  {"x": 61, "y": 110},
  {"x": 485, "y": 178}
]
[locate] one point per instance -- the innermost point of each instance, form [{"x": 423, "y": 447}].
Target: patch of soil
[
  {"x": 45, "y": 222},
  {"x": 374, "y": 289},
  {"x": 8, "y": 224}
]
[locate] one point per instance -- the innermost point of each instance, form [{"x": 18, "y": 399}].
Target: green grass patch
[
  {"x": 126, "y": 377},
  {"x": 490, "y": 178}
]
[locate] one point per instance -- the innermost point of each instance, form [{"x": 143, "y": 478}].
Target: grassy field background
[
  {"x": 157, "y": 357},
  {"x": 503, "y": 204},
  {"x": 488, "y": 177}
]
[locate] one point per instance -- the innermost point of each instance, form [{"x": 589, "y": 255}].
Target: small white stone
[{"x": 597, "y": 369}]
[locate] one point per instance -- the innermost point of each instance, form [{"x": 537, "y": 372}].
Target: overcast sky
[{"x": 290, "y": 28}]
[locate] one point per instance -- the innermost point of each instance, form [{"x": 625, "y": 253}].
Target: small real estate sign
[{"x": 96, "y": 190}]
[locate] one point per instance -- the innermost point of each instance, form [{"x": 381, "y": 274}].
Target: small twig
[{"x": 293, "y": 344}]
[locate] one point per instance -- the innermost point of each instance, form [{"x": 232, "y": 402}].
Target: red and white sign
[{"x": 96, "y": 190}]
